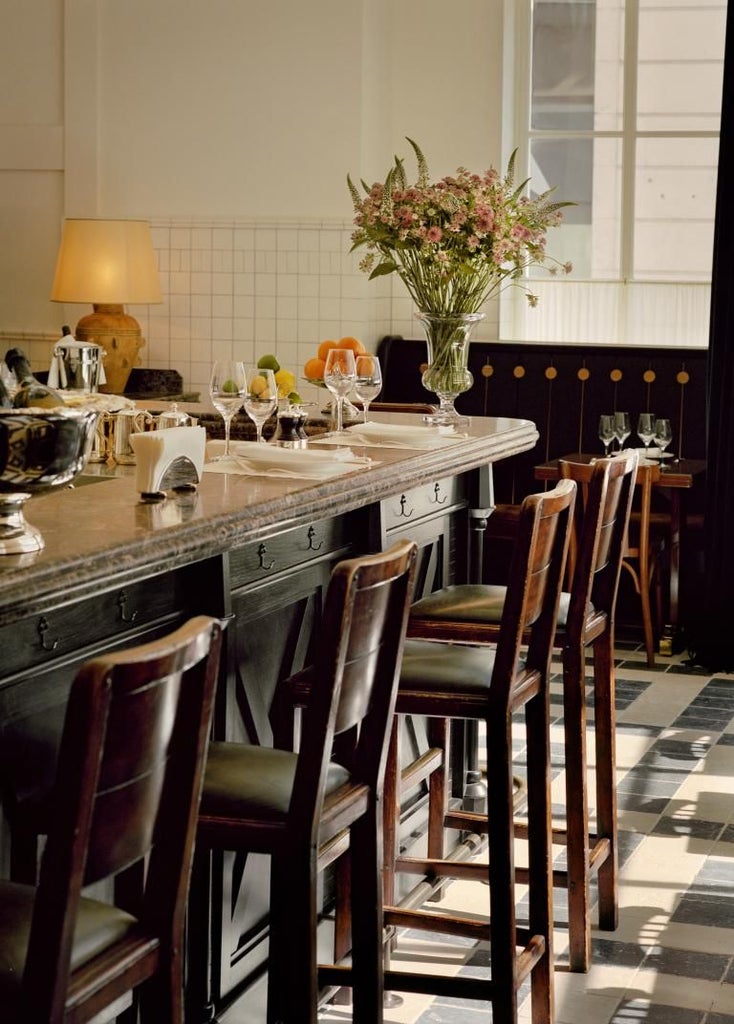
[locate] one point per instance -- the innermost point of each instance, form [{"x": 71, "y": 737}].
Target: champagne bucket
[{"x": 79, "y": 366}]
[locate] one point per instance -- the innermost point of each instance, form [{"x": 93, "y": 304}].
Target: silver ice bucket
[{"x": 79, "y": 366}]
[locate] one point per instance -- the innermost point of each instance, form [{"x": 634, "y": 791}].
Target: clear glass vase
[{"x": 446, "y": 374}]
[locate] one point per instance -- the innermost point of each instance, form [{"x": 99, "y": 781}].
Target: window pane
[
  {"x": 563, "y": 64},
  {"x": 680, "y": 62},
  {"x": 675, "y": 194},
  {"x": 586, "y": 172}
]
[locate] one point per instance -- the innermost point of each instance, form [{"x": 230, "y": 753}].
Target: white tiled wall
[{"x": 244, "y": 288}]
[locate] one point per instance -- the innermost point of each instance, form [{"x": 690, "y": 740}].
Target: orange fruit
[
  {"x": 353, "y": 344},
  {"x": 325, "y": 347},
  {"x": 314, "y": 369}
]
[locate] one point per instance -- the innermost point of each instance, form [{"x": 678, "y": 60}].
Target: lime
[
  {"x": 268, "y": 363},
  {"x": 294, "y": 398},
  {"x": 230, "y": 386}
]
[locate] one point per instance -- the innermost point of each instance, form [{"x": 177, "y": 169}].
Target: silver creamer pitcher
[{"x": 78, "y": 366}]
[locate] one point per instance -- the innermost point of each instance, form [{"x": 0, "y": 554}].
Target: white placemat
[
  {"x": 394, "y": 435},
  {"x": 253, "y": 459}
]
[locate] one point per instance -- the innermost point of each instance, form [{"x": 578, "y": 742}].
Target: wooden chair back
[
  {"x": 599, "y": 539},
  {"x": 355, "y": 676},
  {"x": 127, "y": 787},
  {"x": 533, "y": 592}
]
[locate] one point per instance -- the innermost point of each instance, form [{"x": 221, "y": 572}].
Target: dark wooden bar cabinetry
[{"x": 253, "y": 550}]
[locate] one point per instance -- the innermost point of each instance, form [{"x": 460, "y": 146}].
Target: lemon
[
  {"x": 268, "y": 362},
  {"x": 258, "y": 386},
  {"x": 286, "y": 381},
  {"x": 231, "y": 387}
]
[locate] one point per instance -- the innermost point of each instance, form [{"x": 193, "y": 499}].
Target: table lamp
[{"x": 108, "y": 263}]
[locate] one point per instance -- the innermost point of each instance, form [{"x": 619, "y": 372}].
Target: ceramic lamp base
[{"x": 120, "y": 336}]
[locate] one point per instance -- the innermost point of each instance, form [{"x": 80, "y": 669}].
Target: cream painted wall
[{"x": 234, "y": 112}]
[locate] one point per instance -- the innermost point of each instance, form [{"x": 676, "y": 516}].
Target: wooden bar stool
[
  {"x": 307, "y": 809},
  {"x": 446, "y": 681},
  {"x": 641, "y": 556},
  {"x": 473, "y": 614},
  {"x": 127, "y": 788}
]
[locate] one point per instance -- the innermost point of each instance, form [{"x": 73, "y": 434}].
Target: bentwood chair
[
  {"x": 306, "y": 809},
  {"x": 127, "y": 788},
  {"x": 473, "y": 613},
  {"x": 491, "y": 684}
]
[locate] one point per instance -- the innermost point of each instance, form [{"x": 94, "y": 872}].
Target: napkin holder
[{"x": 169, "y": 459}]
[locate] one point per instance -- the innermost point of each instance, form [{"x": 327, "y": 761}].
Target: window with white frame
[{"x": 619, "y": 109}]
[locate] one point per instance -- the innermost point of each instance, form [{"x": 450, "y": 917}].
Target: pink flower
[{"x": 435, "y": 234}]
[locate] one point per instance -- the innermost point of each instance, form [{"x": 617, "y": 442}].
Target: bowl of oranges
[{"x": 313, "y": 369}]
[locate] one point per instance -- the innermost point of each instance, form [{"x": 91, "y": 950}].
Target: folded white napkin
[
  {"x": 397, "y": 435},
  {"x": 253, "y": 459},
  {"x": 155, "y": 450}
]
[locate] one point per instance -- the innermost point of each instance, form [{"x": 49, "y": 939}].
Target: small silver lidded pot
[{"x": 290, "y": 431}]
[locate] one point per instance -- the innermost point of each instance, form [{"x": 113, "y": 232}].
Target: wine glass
[
  {"x": 227, "y": 390},
  {"x": 646, "y": 429},
  {"x": 368, "y": 382},
  {"x": 606, "y": 431},
  {"x": 663, "y": 435},
  {"x": 261, "y": 397},
  {"x": 340, "y": 374},
  {"x": 622, "y": 428}
]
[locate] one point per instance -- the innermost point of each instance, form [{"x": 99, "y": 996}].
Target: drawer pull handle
[
  {"x": 311, "y": 536},
  {"x": 404, "y": 513},
  {"x": 121, "y": 604},
  {"x": 261, "y": 553},
  {"x": 43, "y": 628},
  {"x": 437, "y": 499}
]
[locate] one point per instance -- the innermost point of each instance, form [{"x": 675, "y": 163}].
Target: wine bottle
[{"x": 31, "y": 392}]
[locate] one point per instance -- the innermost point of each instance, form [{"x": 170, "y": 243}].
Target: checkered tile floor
[{"x": 671, "y": 961}]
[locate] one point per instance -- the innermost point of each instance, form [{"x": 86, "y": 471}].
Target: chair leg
[
  {"x": 577, "y": 808},
  {"x": 438, "y": 794},
  {"x": 540, "y": 853},
  {"x": 391, "y": 812},
  {"x": 500, "y": 840},
  {"x": 367, "y": 916},
  {"x": 292, "y": 960},
  {"x": 606, "y": 786}
]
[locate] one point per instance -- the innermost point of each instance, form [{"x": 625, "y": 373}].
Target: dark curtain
[{"x": 712, "y": 636}]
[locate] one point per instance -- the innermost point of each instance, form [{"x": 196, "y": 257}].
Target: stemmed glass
[
  {"x": 622, "y": 428},
  {"x": 227, "y": 391},
  {"x": 340, "y": 374},
  {"x": 368, "y": 382},
  {"x": 261, "y": 397},
  {"x": 662, "y": 436},
  {"x": 606, "y": 431},
  {"x": 646, "y": 429}
]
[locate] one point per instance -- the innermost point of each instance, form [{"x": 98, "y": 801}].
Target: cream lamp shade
[{"x": 108, "y": 263}]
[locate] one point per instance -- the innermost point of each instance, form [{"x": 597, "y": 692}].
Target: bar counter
[
  {"x": 256, "y": 551},
  {"x": 102, "y": 529}
]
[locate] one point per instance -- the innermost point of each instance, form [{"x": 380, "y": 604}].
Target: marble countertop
[{"x": 98, "y": 529}]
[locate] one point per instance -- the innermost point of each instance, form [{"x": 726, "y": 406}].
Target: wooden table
[{"x": 676, "y": 478}]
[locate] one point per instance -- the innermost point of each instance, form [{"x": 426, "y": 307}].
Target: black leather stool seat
[
  {"x": 472, "y": 602},
  {"x": 445, "y": 668},
  {"x": 99, "y": 926},
  {"x": 242, "y": 778}
]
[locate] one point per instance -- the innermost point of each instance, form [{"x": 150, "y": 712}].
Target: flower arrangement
[{"x": 453, "y": 242}]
